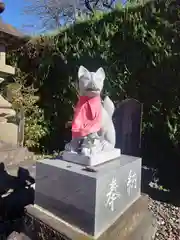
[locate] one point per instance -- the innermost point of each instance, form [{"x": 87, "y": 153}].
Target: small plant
[{"x": 25, "y": 97}]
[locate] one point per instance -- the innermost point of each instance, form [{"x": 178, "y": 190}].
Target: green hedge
[{"x": 139, "y": 50}]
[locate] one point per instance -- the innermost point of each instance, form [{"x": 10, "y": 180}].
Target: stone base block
[
  {"x": 90, "y": 201},
  {"x": 97, "y": 159},
  {"x": 136, "y": 223},
  {"x": 9, "y": 133}
]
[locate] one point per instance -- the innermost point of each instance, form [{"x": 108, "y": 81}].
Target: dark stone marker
[{"x": 127, "y": 120}]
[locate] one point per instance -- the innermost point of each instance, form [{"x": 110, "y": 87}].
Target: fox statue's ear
[
  {"x": 100, "y": 74},
  {"x": 82, "y": 72}
]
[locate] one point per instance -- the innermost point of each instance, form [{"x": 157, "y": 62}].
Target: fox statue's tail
[
  {"x": 108, "y": 106},
  {"x": 108, "y": 128}
]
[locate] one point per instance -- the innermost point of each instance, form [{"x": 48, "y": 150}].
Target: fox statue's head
[{"x": 90, "y": 83}]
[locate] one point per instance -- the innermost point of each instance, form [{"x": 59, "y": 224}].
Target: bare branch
[{"x": 50, "y": 12}]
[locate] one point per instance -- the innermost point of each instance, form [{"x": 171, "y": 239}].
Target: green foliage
[
  {"x": 139, "y": 50},
  {"x": 24, "y": 97}
]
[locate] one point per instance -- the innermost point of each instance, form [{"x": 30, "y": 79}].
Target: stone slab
[
  {"x": 15, "y": 157},
  {"x": 134, "y": 224},
  {"x": 97, "y": 159},
  {"x": 91, "y": 201}
]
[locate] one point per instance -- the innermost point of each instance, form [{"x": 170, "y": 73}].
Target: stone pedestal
[{"x": 90, "y": 201}]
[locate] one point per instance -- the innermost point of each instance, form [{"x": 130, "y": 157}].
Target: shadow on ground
[{"x": 15, "y": 193}]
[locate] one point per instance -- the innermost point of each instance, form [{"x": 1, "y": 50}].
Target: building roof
[
  {"x": 11, "y": 37},
  {"x": 7, "y": 28}
]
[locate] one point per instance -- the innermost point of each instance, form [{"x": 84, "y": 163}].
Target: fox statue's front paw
[
  {"x": 70, "y": 148},
  {"x": 73, "y": 145},
  {"x": 91, "y": 145},
  {"x": 86, "y": 151}
]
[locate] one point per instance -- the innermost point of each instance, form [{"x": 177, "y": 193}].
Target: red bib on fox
[{"x": 87, "y": 116}]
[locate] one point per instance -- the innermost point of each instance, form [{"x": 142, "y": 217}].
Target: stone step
[
  {"x": 29, "y": 165},
  {"x": 128, "y": 227},
  {"x": 14, "y": 156},
  {"x": 146, "y": 229}
]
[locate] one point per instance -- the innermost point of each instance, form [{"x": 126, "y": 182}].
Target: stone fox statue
[{"x": 92, "y": 126}]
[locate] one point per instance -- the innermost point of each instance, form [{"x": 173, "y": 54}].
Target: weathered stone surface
[
  {"x": 4, "y": 103},
  {"x": 9, "y": 133},
  {"x": 92, "y": 201},
  {"x": 6, "y": 70},
  {"x": 7, "y": 112},
  {"x": 29, "y": 164},
  {"x": 134, "y": 224},
  {"x": 12, "y": 155},
  {"x": 3, "y": 120}
]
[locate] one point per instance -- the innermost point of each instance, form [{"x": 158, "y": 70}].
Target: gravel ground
[
  {"x": 166, "y": 214},
  {"x": 168, "y": 220}
]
